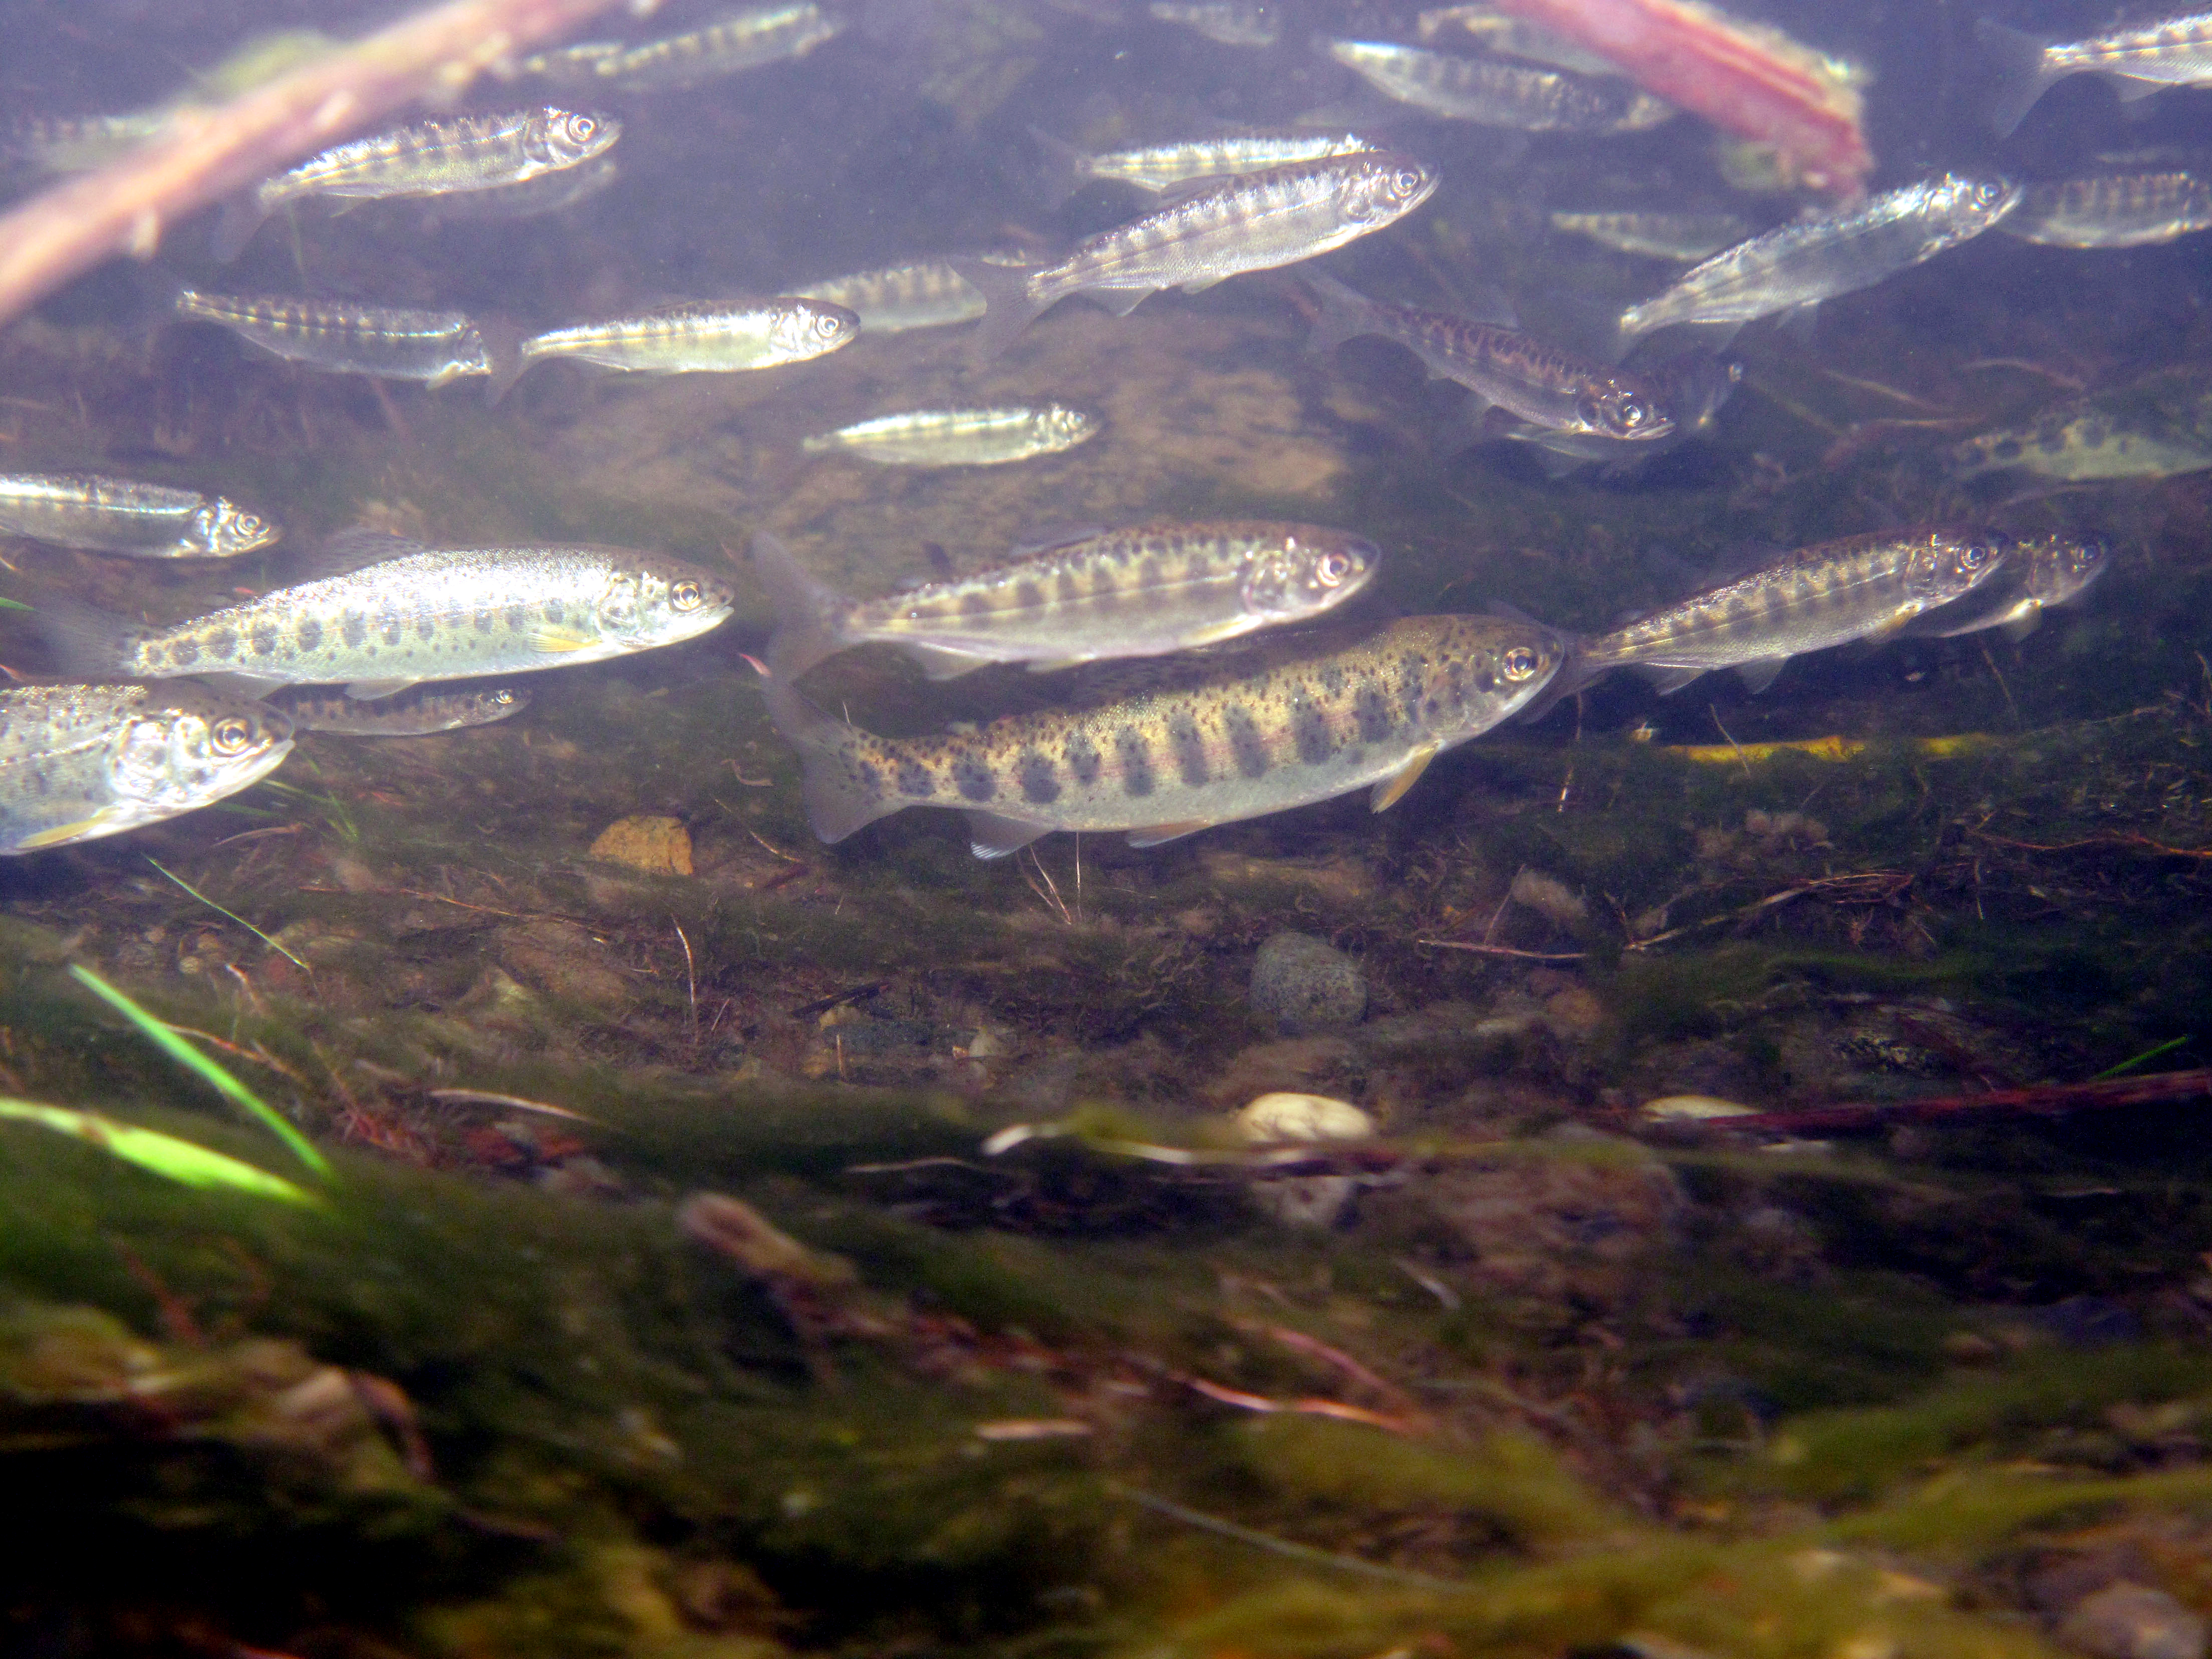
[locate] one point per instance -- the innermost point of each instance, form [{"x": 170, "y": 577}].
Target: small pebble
[
  {"x": 658, "y": 845},
  {"x": 2129, "y": 1621},
  {"x": 1307, "y": 984},
  {"x": 1677, "y": 1108},
  {"x": 1549, "y": 898},
  {"x": 1278, "y": 1117}
]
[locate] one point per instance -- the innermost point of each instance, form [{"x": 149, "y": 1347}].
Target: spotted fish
[
  {"x": 451, "y": 154},
  {"x": 1862, "y": 587},
  {"x": 410, "y": 713},
  {"x": 1141, "y": 591},
  {"x": 404, "y": 614},
  {"x": 80, "y": 762},
  {"x": 2085, "y": 440},
  {"x": 2040, "y": 573},
  {"x": 118, "y": 516},
  {"x": 1284, "y": 723},
  {"x": 394, "y": 344},
  {"x": 1549, "y": 389},
  {"x": 1257, "y": 222}
]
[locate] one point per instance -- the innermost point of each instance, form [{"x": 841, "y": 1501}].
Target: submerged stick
[
  {"x": 203, "y": 155},
  {"x": 2042, "y": 1099}
]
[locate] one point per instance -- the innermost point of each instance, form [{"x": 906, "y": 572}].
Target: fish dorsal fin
[
  {"x": 1511, "y": 613},
  {"x": 350, "y": 551},
  {"x": 1045, "y": 538},
  {"x": 1161, "y": 833},
  {"x": 1758, "y": 675},
  {"x": 993, "y": 836},
  {"x": 1388, "y": 792}
]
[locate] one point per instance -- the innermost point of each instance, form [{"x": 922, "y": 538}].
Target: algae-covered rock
[
  {"x": 1307, "y": 984},
  {"x": 658, "y": 845}
]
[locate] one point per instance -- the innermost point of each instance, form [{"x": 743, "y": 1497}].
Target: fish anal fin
[
  {"x": 104, "y": 821},
  {"x": 1668, "y": 681},
  {"x": 990, "y": 836},
  {"x": 939, "y": 662},
  {"x": 1160, "y": 833},
  {"x": 1758, "y": 675},
  {"x": 1120, "y": 300},
  {"x": 1392, "y": 789}
]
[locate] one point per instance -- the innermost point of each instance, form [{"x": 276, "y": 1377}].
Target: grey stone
[
  {"x": 2127, "y": 1621},
  {"x": 1307, "y": 984}
]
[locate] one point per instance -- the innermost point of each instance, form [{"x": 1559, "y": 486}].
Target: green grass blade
[
  {"x": 13, "y": 604},
  {"x": 216, "y": 1078},
  {"x": 167, "y": 1156},
  {"x": 2127, "y": 1065},
  {"x": 234, "y": 916}
]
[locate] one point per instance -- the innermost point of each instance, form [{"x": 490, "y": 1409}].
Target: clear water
[{"x": 1549, "y": 1377}]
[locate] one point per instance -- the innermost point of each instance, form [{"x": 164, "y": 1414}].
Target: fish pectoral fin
[
  {"x": 1388, "y": 792},
  {"x": 939, "y": 662},
  {"x": 1054, "y": 665},
  {"x": 1758, "y": 676},
  {"x": 1119, "y": 300},
  {"x": 104, "y": 821},
  {"x": 1166, "y": 832},
  {"x": 370, "y": 690},
  {"x": 558, "y": 642},
  {"x": 1668, "y": 681},
  {"x": 992, "y": 836}
]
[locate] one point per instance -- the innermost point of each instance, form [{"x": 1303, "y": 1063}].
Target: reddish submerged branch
[
  {"x": 204, "y": 155},
  {"x": 2042, "y": 1099}
]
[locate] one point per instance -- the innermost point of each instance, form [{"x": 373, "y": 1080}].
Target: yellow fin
[
  {"x": 1229, "y": 628},
  {"x": 99, "y": 824},
  {"x": 1388, "y": 791},
  {"x": 556, "y": 641}
]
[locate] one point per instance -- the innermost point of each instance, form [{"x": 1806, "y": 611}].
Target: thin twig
[
  {"x": 1296, "y": 1551},
  {"x": 691, "y": 979},
  {"x": 490, "y": 1097},
  {"x": 235, "y": 917},
  {"x": 1502, "y": 950},
  {"x": 2042, "y": 1099}
]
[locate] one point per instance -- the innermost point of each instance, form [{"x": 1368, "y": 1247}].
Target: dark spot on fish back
[
  {"x": 1084, "y": 760},
  {"x": 1247, "y": 746},
  {"x": 1189, "y": 746},
  {"x": 265, "y": 639},
  {"x": 1372, "y": 715},
  {"x": 914, "y": 781},
  {"x": 518, "y": 618},
  {"x": 310, "y": 634},
  {"x": 223, "y": 643},
  {"x": 973, "y": 779},
  {"x": 183, "y": 651},
  {"x": 1309, "y": 730},
  {"x": 353, "y": 629}
]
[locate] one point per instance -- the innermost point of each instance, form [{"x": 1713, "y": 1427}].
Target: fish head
[
  {"x": 1951, "y": 563},
  {"x": 1063, "y": 427},
  {"x": 1482, "y": 669},
  {"x": 1381, "y": 186},
  {"x": 1620, "y": 409},
  {"x": 561, "y": 138},
  {"x": 652, "y": 603},
  {"x": 2058, "y": 569},
  {"x": 188, "y": 746},
  {"x": 225, "y": 529},
  {"x": 808, "y": 328},
  {"x": 1307, "y": 571},
  {"x": 1974, "y": 204}
]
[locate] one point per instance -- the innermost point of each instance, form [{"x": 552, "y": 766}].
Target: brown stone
[{"x": 660, "y": 846}]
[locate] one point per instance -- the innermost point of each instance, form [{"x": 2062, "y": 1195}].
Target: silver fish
[
  {"x": 1515, "y": 37},
  {"x": 2040, "y": 573},
  {"x": 1538, "y": 383},
  {"x": 1690, "y": 388},
  {"x": 1226, "y": 22},
  {"x": 2083, "y": 440},
  {"x": 2174, "y": 53},
  {"x": 458, "y": 152},
  {"x": 959, "y": 437},
  {"x": 1282, "y": 724},
  {"x": 929, "y": 293},
  {"x": 1795, "y": 267},
  {"x": 1141, "y": 591},
  {"x": 1862, "y": 587},
  {"x": 409, "y": 714},
  {"x": 712, "y": 336},
  {"x": 1162, "y": 167},
  {"x": 551, "y": 193},
  {"x": 1657, "y": 236},
  {"x": 738, "y": 41},
  {"x": 116, "y": 516},
  {"x": 1500, "y": 92},
  {"x": 408, "y": 614},
  {"x": 79, "y": 762},
  {"x": 434, "y": 346},
  {"x": 1255, "y": 222},
  {"x": 2130, "y": 210},
  {"x": 77, "y": 143}
]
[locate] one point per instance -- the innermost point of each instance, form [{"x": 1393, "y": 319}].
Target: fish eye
[
  {"x": 1331, "y": 568},
  {"x": 686, "y": 595},
  {"x": 502, "y": 698},
  {"x": 1632, "y": 415},
  {"x": 1406, "y": 180},
  {"x": 231, "y": 735},
  {"x": 1519, "y": 662},
  {"x": 582, "y": 126}
]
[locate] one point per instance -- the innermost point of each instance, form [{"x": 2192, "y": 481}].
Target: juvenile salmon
[
  {"x": 1288, "y": 723},
  {"x": 703, "y": 337},
  {"x": 117, "y": 515},
  {"x": 959, "y": 437},
  {"x": 394, "y": 344}
]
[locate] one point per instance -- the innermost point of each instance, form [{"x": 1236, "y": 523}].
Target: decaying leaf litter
[{"x": 1557, "y": 1380}]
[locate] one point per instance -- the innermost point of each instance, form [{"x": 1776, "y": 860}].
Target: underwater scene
[{"x": 1105, "y": 829}]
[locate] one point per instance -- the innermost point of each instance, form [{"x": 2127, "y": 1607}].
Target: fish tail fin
[
  {"x": 1008, "y": 306},
  {"x": 2020, "y": 73},
  {"x": 241, "y": 216},
  {"x": 1066, "y": 169},
  {"x": 1343, "y": 315},
  {"x": 805, "y": 610},
  {"x": 837, "y": 802},
  {"x": 503, "y": 341},
  {"x": 87, "y": 642}
]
